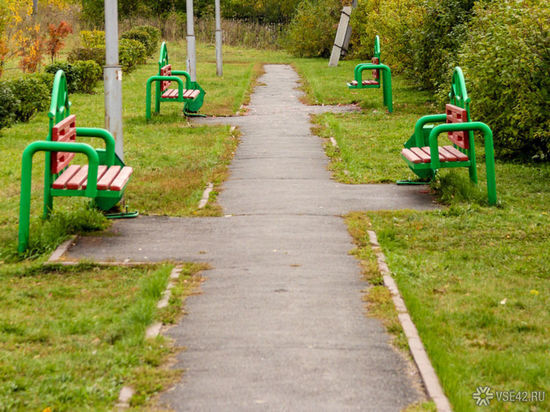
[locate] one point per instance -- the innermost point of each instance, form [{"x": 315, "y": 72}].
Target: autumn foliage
[{"x": 56, "y": 34}]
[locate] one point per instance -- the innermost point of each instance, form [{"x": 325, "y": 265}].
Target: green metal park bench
[
  {"x": 190, "y": 93},
  {"x": 103, "y": 179},
  {"x": 424, "y": 155},
  {"x": 376, "y": 66}
]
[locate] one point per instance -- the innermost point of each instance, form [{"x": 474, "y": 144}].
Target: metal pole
[
  {"x": 219, "y": 62},
  {"x": 112, "y": 76},
  {"x": 191, "y": 50}
]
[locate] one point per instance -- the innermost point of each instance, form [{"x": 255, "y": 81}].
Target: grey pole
[
  {"x": 112, "y": 76},
  {"x": 219, "y": 62},
  {"x": 191, "y": 50}
]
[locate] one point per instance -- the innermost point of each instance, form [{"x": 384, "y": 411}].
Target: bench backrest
[
  {"x": 60, "y": 106},
  {"x": 457, "y": 114},
  {"x": 61, "y": 124},
  {"x": 163, "y": 59},
  {"x": 165, "y": 71},
  {"x": 376, "y": 72},
  {"x": 459, "y": 109},
  {"x": 64, "y": 131}
]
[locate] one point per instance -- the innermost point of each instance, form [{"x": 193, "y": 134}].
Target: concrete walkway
[{"x": 280, "y": 324}]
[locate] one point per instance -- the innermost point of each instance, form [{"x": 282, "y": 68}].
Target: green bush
[
  {"x": 33, "y": 96},
  {"x": 435, "y": 50},
  {"x": 71, "y": 74},
  {"x": 89, "y": 73},
  {"x": 154, "y": 35},
  {"x": 398, "y": 23},
  {"x": 82, "y": 76},
  {"x": 311, "y": 31},
  {"x": 92, "y": 38},
  {"x": 143, "y": 37},
  {"x": 506, "y": 62},
  {"x": 96, "y": 54},
  {"x": 131, "y": 53},
  {"x": 8, "y": 105}
]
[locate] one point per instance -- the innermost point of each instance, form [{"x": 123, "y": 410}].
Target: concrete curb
[
  {"x": 427, "y": 372},
  {"x": 61, "y": 250},
  {"x": 206, "y": 195},
  {"x": 126, "y": 393}
]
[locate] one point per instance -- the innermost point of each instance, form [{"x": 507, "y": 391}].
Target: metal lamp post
[{"x": 112, "y": 76}]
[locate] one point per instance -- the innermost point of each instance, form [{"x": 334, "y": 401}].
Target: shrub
[
  {"x": 8, "y": 105},
  {"x": 71, "y": 74},
  {"x": 506, "y": 62},
  {"x": 96, "y": 54},
  {"x": 92, "y": 38},
  {"x": 398, "y": 23},
  {"x": 435, "y": 51},
  {"x": 311, "y": 31},
  {"x": 143, "y": 37},
  {"x": 131, "y": 53},
  {"x": 154, "y": 34},
  {"x": 32, "y": 94},
  {"x": 89, "y": 73}
]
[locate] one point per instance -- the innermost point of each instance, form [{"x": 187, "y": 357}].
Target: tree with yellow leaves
[{"x": 21, "y": 34}]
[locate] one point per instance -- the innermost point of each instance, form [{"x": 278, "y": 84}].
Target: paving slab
[{"x": 280, "y": 323}]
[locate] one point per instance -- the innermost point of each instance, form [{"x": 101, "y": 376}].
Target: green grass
[
  {"x": 172, "y": 160},
  {"x": 70, "y": 337},
  {"x": 475, "y": 278}
]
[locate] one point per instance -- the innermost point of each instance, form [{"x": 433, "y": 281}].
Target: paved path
[{"x": 280, "y": 324}]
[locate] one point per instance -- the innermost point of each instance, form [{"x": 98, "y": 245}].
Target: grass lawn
[
  {"x": 70, "y": 337},
  {"x": 475, "y": 278},
  {"x": 172, "y": 160}
]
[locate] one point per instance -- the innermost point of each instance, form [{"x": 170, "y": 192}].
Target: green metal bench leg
[{"x": 473, "y": 165}]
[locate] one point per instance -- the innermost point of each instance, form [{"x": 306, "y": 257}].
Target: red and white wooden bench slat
[
  {"x": 121, "y": 179},
  {"x": 100, "y": 172},
  {"x": 173, "y": 93},
  {"x": 422, "y": 154},
  {"x": 108, "y": 178},
  {"x": 78, "y": 179}
]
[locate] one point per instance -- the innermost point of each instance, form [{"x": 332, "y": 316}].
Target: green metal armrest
[
  {"x": 26, "y": 175},
  {"x": 102, "y": 134},
  {"x": 420, "y": 123},
  {"x": 489, "y": 150},
  {"x": 358, "y": 71}
]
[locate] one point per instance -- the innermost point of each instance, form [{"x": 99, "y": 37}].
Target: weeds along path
[{"x": 280, "y": 323}]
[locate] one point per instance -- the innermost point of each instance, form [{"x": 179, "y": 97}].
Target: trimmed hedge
[
  {"x": 33, "y": 94},
  {"x": 22, "y": 98},
  {"x": 8, "y": 105},
  {"x": 143, "y": 37},
  {"x": 89, "y": 73},
  {"x": 131, "y": 53},
  {"x": 96, "y": 54},
  {"x": 82, "y": 76}
]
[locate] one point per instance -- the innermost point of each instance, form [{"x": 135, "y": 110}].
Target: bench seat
[
  {"x": 422, "y": 154},
  {"x": 112, "y": 178},
  {"x": 366, "y": 83},
  {"x": 173, "y": 94}
]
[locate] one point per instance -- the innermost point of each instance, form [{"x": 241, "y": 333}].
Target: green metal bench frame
[
  {"x": 102, "y": 199},
  {"x": 191, "y": 106},
  {"x": 376, "y": 66},
  {"x": 426, "y": 134}
]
